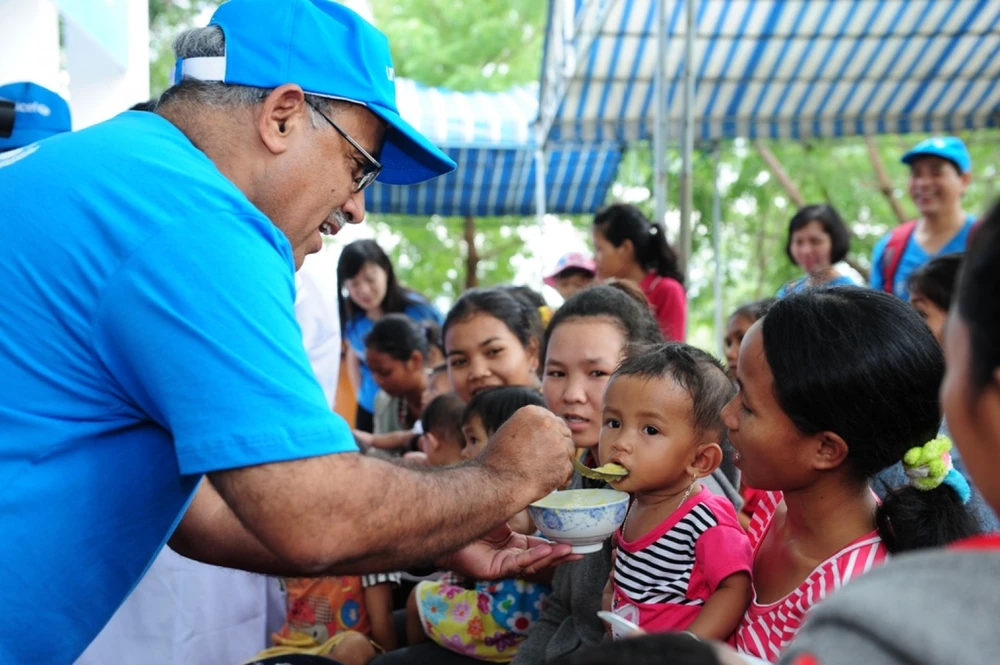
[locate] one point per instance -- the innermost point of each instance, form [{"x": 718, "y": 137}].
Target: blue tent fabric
[
  {"x": 489, "y": 135},
  {"x": 775, "y": 68}
]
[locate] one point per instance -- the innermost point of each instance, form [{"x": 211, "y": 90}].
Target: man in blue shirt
[
  {"x": 939, "y": 176},
  {"x": 155, "y": 385}
]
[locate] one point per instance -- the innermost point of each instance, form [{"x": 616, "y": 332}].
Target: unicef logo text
[{"x": 33, "y": 107}]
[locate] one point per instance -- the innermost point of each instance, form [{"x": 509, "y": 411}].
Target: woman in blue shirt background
[
  {"x": 817, "y": 239},
  {"x": 368, "y": 289}
]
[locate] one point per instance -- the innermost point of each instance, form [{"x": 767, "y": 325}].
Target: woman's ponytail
[
  {"x": 661, "y": 257},
  {"x": 932, "y": 510},
  {"x": 912, "y": 519}
]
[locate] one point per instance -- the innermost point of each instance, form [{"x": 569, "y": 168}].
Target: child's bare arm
[
  {"x": 378, "y": 604},
  {"x": 723, "y": 610},
  {"x": 391, "y": 440}
]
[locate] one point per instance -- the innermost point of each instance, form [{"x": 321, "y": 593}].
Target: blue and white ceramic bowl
[{"x": 581, "y": 518}]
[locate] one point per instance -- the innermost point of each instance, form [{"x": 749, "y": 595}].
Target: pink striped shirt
[{"x": 766, "y": 629}]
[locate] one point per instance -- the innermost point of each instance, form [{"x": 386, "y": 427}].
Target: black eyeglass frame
[{"x": 370, "y": 172}]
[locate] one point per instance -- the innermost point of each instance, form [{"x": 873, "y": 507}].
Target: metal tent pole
[
  {"x": 540, "y": 185},
  {"x": 688, "y": 139},
  {"x": 717, "y": 251},
  {"x": 661, "y": 118}
]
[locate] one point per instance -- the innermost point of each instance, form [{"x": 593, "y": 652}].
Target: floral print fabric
[{"x": 487, "y": 621}]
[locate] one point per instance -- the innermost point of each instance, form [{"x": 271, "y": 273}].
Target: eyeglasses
[{"x": 371, "y": 170}]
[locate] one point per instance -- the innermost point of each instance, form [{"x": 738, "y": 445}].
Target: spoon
[
  {"x": 604, "y": 473},
  {"x": 624, "y": 626}
]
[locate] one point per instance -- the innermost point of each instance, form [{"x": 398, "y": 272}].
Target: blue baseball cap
[
  {"x": 38, "y": 114},
  {"x": 947, "y": 147},
  {"x": 329, "y": 51}
]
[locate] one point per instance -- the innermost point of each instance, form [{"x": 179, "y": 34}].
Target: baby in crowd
[{"x": 683, "y": 562}]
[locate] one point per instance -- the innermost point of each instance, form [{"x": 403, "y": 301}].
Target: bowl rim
[{"x": 624, "y": 497}]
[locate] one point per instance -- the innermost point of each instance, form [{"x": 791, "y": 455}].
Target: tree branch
[
  {"x": 779, "y": 172},
  {"x": 884, "y": 182}
]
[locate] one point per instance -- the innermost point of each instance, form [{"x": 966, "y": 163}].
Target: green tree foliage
[
  {"x": 489, "y": 45},
  {"x": 166, "y": 19},
  {"x": 484, "y": 45}
]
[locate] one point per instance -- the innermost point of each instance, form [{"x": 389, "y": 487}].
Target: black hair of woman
[
  {"x": 832, "y": 223},
  {"x": 516, "y": 312},
  {"x": 398, "y": 336},
  {"x": 353, "y": 258},
  {"x": 875, "y": 386},
  {"x": 495, "y": 406},
  {"x": 603, "y": 301},
  {"x": 619, "y": 222},
  {"x": 936, "y": 279},
  {"x": 531, "y": 299}
]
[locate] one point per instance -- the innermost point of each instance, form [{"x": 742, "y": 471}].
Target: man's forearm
[{"x": 346, "y": 514}]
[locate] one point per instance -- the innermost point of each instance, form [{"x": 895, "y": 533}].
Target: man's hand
[
  {"x": 534, "y": 449},
  {"x": 503, "y": 553}
]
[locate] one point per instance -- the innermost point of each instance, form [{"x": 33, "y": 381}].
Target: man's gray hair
[{"x": 210, "y": 42}]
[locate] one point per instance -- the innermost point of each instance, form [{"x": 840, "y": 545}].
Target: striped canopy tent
[
  {"x": 489, "y": 136},
  {"x": 773, "y": 68},
  {"x": 706, "y": 70}
]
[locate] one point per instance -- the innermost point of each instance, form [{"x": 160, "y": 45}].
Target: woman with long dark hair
[
  {"x": 368, "y": 291},
  {"x": 629, "y": 246}
]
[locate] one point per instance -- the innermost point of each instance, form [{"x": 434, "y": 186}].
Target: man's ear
[
  {"x": 706, "y": 460},
  {"x": 283, "y": 110}
]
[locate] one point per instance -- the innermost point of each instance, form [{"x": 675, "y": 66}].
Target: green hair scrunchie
[{"x": 928, "y": 465}]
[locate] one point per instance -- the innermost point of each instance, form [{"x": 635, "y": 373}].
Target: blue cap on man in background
[
  {"x": 38, "y": 114},
  {"x": 947, "y": 147},
  {"x": 329, "y": 51}
]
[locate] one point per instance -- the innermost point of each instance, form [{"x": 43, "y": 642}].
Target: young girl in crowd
[
  {"x": 817, "y": 240},
  {"x": 683, "y": 561},
  {"x": 936, "y": 607},
  {"x": 738, "y": 325},
  {"x": 491, "y": 339},
  {"x": 931, "y": 287},
  {"x": 825, "y": 403},
  {"x": 368, "y": 291},
  {"x": 629, "y": 246},
  {"x": 736, "y": 329},
  {"x": 485, "y": 620},
  {"x": 397, "y": 351}
]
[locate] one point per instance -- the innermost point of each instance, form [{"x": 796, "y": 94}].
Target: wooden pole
[
  {"x": 779, "y": 172},
  {"x": 884, "y": 182},
  {"x": 471, "y": 255}
]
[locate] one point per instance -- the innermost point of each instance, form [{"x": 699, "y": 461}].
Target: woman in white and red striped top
[{"x": 834, "y": 386}]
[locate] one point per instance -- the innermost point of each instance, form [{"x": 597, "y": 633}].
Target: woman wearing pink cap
[{"x": 573, "y": 273}]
